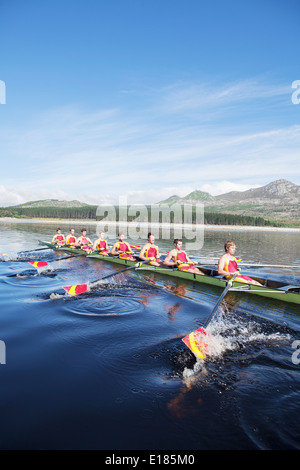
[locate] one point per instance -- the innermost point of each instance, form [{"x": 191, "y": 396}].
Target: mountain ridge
[{"x": 279, "y": 199}]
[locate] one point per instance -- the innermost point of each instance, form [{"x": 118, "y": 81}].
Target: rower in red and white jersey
[
  {"x": 84, "y": 242},
  {"x": 150, "y": 250},
  {"x": 100, "y": 245},
  {"x": 71, "y": 239},
  {"x": 227, "y": 265},
  {"x": 177, "y": 257},
  {"x": 122, "y": 249},
  {"x": 58, "y": 239}
]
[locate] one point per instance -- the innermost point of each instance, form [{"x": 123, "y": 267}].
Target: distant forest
[{"x": 89, "y": 212}]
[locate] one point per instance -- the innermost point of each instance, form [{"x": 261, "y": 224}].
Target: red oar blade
[
  {"x": 38, "y": 264},
  {"x": 197, "y": 342},
  {"x": 76, "y": 289}
]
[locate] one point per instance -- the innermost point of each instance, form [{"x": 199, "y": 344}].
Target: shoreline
[{"x": 229, "y": 228}]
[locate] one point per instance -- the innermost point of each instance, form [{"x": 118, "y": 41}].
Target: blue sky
[{"x": 140, "y": 99}]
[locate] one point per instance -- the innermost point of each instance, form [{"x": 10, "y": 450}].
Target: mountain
[
  {"x": 278, "y": 192},
  {"x": 51, "y": 203},
  {"x": 191, "y": 198},
  {"x": 279, "y": 200}
]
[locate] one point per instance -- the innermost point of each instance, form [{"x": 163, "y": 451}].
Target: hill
[
  {"x": 276, "y": 203},
  {"x": 51, "y": 208},
  {"x": 279, "y": 200},
  {"x": 51, "y": 203}
]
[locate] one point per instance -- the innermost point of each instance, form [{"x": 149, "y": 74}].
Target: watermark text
[
  {"x": 165, "y": 222},
  {"x": 296, "y": 94},
  {"x": 296, "y": 354},
  {"x": 2, "y": 352},
  {"x": 2, "y": 92}
]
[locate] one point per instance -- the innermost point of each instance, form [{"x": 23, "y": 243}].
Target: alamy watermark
[
  {"x": 296, "y": 94},
  {"x": 2, "y": 352},
  {"x": 165, "y": 222},
  {"x": 2, "y": 92},
  {"x": 296, "y": 354}
]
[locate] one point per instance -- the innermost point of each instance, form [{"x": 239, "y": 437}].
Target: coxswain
[
  {"x": 122, "y": 249},
  {"x": 100, "y": 245},
  {"x": 71, "y": 239},
  {"x": 150, "y": 251},
  {"x": 227, "y": 265},
  {"x": 177, "y": 257},
  {"x": 84, "y": 242},
  {"x": 59, "y": 238}
]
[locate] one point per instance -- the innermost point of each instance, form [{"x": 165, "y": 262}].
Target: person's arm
[
  {"x": 142, "y": 252},
  {"x": 189, "y": 259},
  {"x": 113, "y": 250},
  {"x": 129, "y": 249},
  {"x": 221, "y": 265},
  {"x": 168, "y": 261}
]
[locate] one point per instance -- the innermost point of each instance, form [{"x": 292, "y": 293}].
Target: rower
[
  {"x": 59, "y": 238},
  {"x": 71, "y": 239},
  {"x": 84, "y": 242},
  {"x": 177, "y": 257},
  {"x": 100, "y": 245},
  {"x": 122, "y": 249},
  {"x": 150, "y": 251},
  {"x": 227, "y": 265}
]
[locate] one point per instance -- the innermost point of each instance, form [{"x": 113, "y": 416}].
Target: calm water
[{"x": 109, "y": 371}]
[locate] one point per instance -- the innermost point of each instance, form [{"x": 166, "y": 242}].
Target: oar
[
  {"x": 269, "y": 265},
  {"x": 253, "y": 265},
  {"x": 82, "y": 288},
  {"x": 37, "y": 249},
  {"x": 41, "y": 264},
  {"x": 196, "y": 340}
]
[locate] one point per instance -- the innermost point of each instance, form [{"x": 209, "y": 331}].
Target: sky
[{"x": 139, "y": 99}]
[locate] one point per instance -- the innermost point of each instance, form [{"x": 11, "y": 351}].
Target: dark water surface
[{"x": 108, "y": 370}]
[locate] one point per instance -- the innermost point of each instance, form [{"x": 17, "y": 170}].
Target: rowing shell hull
[{"x": 273, "y": 289}]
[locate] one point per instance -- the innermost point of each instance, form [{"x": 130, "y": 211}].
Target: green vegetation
[{"x": 86, "y": 212}]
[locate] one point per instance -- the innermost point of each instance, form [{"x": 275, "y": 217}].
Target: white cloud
[
  {"x": 222, "y": 187},
  {"x": 155, "y": 151}
]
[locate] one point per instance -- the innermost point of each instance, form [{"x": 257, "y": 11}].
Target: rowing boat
[{"x": 271, "y": 289}]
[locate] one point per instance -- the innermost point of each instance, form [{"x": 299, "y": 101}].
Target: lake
[{"x": 108, "y": 370}]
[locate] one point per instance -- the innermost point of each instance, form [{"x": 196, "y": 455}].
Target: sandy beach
[{"x": 228, "y": 228}]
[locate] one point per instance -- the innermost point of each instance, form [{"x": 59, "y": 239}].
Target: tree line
[{"x": 89, "y": 212}]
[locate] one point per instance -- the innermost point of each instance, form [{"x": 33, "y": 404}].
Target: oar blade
[
  {"x": 82, "y": 288},
  {"x": 38, "y": 264},
  {"x": 197, "y": 342},
  {"x": 76, "y": 289}
]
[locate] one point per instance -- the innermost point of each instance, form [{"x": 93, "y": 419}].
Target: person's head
[
  {"x": 72, "y": 231},
  {"x": 101, "y": 235},
  {"x": 178, "y": 243},
  {"x": 151, "y": 237},
  {"x": 229, "y": 246},
  {"x": 121, "y": 235},
  {"x": 58, "y": 230},
  {"x": 83, "y": 232}
]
